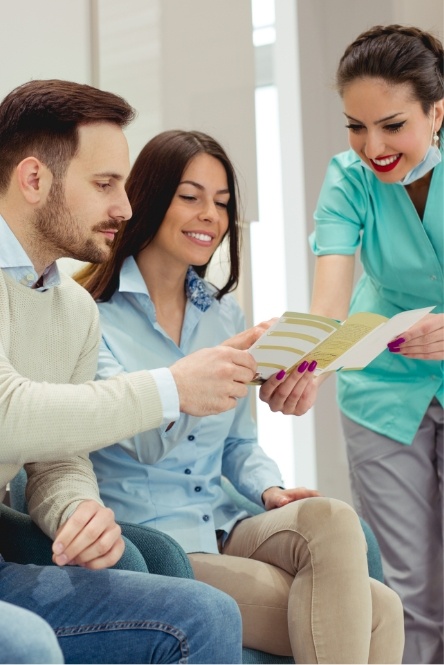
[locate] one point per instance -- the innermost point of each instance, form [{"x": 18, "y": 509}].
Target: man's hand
[
  {"x": 89, "y": 538},
  {"x": 245, "y": 339},
  {"x": 424, "y": 340},
  {"x": 276, "y": 497},
  {"x": 210, "y": 381}
]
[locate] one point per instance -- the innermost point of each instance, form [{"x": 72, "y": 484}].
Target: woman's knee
[
  {"x": 387, "y": 607},
  {"x": 332, "y": 517}
]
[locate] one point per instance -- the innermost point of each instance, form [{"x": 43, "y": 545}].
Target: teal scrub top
[{"x": 402, "y": 258}]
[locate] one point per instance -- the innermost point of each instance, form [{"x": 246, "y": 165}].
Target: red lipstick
[{"x": 383, "y": 168}]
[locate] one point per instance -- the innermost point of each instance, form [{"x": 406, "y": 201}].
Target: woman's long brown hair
[{"x": 151, "y": 185}]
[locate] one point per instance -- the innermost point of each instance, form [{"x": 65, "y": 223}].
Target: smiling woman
[
  {"x": 189, "y": 177},
  {"x": 386, "y": 196},
  {"x": 156, "y": 307},
  {"x": 388, "y": 128}
]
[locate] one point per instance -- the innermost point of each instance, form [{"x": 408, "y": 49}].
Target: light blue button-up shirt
[
  {"x": 17, "y": 264},
  {"x": 171, "y": 479},
  {"x": 403, "y": 259}
]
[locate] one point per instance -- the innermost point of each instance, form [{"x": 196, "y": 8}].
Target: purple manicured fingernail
[
  {"x": 280, "y": 375},
  {"x": 394, "y": 349},
  {"x": 302, "y": 367},
  {"x": 312, "y": 366},
  {"x": 396, "y": 342}
]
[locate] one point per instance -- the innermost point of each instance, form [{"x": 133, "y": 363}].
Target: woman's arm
[{"x": 333, "y": 284}]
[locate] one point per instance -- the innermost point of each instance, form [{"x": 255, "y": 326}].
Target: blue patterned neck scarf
[{"x": 197, "y": 291}]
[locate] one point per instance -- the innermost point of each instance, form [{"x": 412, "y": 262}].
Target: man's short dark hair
[{"x": 41, "y": 118}]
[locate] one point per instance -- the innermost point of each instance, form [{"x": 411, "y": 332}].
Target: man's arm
[
  {"x": 43, "y": 421},
  {"x": 55, "y": 489}
]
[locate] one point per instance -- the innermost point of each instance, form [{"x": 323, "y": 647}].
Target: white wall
[
  {"x": 45, "y": 39},
  {"x": 178, "y": 63}
]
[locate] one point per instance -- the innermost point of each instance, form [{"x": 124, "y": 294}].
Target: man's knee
[
  {"x": 217, "y": 604},
  {"x": 36, "y": 644}
]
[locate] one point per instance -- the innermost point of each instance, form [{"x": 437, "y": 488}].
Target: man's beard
[{"x": 58, "y": 229}]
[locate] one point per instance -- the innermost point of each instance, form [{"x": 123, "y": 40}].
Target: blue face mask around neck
[{"x": 431, "y": 159}]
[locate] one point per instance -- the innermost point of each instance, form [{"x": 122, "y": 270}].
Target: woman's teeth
[
  {"x": 200, "y": 236},
  {"x": 386, "y": 160}
]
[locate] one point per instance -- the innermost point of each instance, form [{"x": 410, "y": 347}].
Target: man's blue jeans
[
  {"x": 26, "y": 638},
  {"x": 118, "y": 616}
]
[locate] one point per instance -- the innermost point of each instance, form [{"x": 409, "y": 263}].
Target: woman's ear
[
  {"x": 34, "y": 180},
  {"x": 439, "y": 115}
]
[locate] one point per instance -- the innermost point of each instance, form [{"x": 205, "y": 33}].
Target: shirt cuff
[{"x": 169, "y": 397}]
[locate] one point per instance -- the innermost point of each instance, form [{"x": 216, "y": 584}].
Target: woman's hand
[
  {"x": 294, "y": 394},
  {"x": 424, "y": 340},
  {"x": 276, "y": 497}
]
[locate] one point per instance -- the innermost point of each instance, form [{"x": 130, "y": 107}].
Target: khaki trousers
[{"x": 299, "y": 575}]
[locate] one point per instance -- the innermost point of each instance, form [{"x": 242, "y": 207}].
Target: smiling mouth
[
  {"x": 203, "y": 237},
  {"x": 385, "y": 164}
]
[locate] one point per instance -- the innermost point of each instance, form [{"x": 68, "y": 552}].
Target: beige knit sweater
[{"x": 52, "y": 412}]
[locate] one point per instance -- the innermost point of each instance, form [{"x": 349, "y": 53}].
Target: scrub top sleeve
[{"x": 340, "y": 211}]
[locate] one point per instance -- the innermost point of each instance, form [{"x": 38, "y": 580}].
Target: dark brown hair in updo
[{"x": 397, "y": 54}]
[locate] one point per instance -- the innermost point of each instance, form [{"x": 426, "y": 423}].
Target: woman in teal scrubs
[{"x": 386, "y": 195}]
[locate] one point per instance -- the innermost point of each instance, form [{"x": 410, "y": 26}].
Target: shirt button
[
  {"x": 197, "y": 489},
  {"x": 206, "y": 518},
  {"x": 191, "y": 437},
  {"x": 188, "y": 471},
  {"x": 433, "y": 277}
]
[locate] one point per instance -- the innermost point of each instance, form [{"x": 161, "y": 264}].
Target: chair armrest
[
  {"x": 162, "y": 554},
  {"x": 21, "y": 541},
  {"x": 374, "y": 560},
  {"x": 17, "y": 492}
]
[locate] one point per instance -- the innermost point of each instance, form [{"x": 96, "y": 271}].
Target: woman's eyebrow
[
  {"x": 377, "y": 122},
  {"x": 199, "y": 186}
]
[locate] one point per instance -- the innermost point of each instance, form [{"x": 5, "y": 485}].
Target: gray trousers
[{"x": 398, "y": 490}]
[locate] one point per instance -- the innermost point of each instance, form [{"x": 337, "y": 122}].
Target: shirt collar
[
  {"x": 15, "y": 261},
  {"x": 197, "y": 290}
]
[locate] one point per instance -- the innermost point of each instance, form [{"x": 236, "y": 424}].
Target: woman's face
[
  {"x": 197, "y": 218},
  {"x": 387, "y": 128}
]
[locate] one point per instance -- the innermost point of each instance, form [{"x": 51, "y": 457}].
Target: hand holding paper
[{"x": 335, "y": 346}]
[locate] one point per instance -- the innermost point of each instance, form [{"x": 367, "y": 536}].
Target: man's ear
[{"x": 34, "y": 180}]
